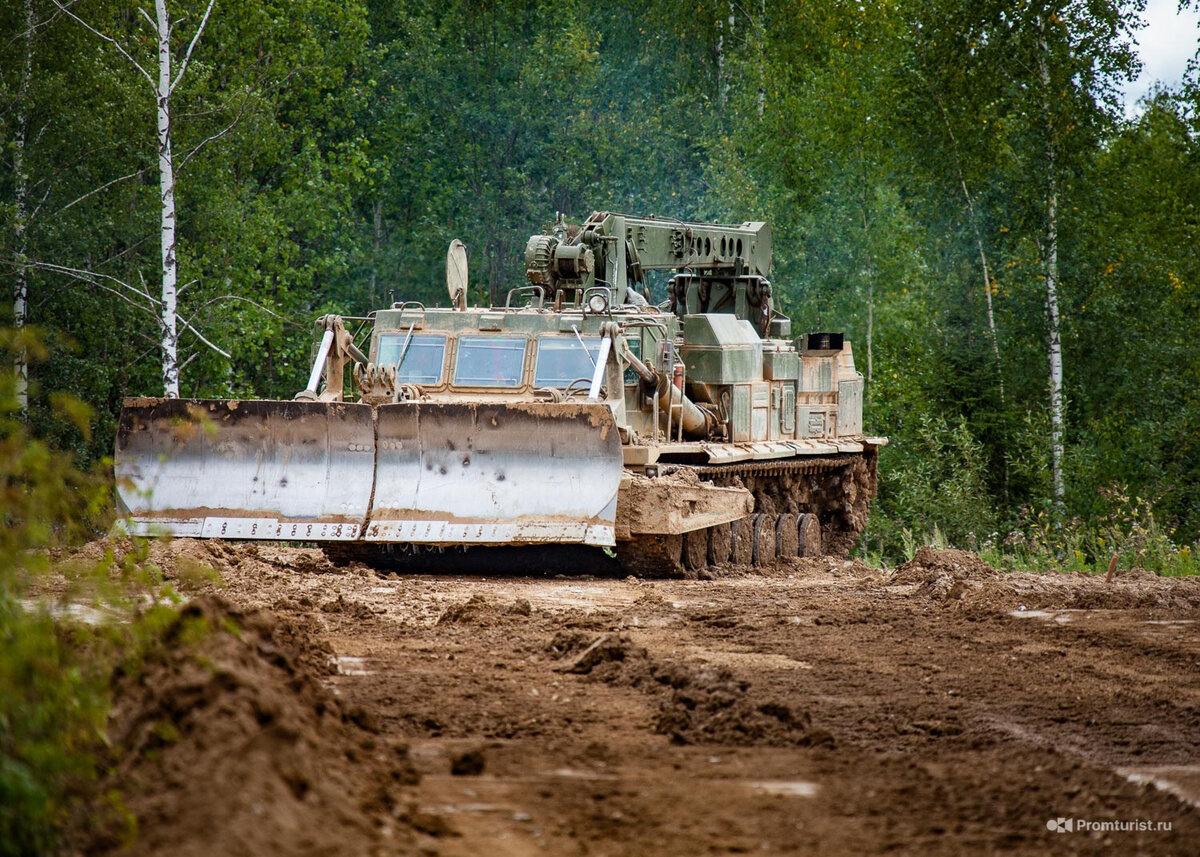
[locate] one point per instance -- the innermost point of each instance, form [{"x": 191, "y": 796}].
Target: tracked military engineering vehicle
[{"x": 698, "y": 432}]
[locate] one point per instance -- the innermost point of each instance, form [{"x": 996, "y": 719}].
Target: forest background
[{"x": 954, "y": 184}]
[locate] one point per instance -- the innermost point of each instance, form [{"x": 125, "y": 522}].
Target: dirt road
[{"x": 823, "y": 708}]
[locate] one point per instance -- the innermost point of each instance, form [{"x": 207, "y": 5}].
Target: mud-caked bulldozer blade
[
  {"x": 245, "y": 470},
  {"x": 506, "y": 473},
  {"x": 495, "y": 473}
]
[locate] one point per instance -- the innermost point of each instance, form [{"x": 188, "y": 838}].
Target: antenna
[{"x": 456, "y": 274}]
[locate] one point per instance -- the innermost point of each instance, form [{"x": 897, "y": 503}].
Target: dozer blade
[
  {"x": 503, "y": 473},
  {"x": 245, "y": 470}
]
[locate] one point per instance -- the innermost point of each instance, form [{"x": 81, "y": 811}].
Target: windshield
[
  {"x": 562, "y": 360},
  {"x": 422, "y": 363},
  {"x": 490, "y": 361}
]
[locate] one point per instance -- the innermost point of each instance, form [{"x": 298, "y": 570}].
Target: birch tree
[
  {"x": 163, "y": 86},
  {"x": 1050, "y": 265},
  {"x": 1080, "y": 51},
  {"x": 21, "y": 212}
]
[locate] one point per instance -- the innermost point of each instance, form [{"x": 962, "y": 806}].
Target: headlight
[{"x": 598, "y": 303}]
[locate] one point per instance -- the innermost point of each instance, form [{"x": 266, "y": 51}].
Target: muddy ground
[{"x": 822, "y": 707}]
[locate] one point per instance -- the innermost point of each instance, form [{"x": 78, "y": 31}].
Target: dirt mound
[
  {"x": 609, "y": 657},
  {"x": 196, "y": 566},
  {"x": 928, "y": 564},
  {"x": 943, "y": 575},
  {"x": 223, "y": 741},
  {"x": 700, "y": 704},
  {"x": 477, "y": 610},
  {"x": 349, "y": 607},
  {"x": 710, "y": 705}
]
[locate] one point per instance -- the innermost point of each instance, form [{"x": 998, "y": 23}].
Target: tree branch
[
  {"x": 243, "y": 109},
  {"x": 83, "y": 277},
  {"x": 127, "y": 250},
  {"x": 108, "y": 39},
  {"x": 136, "y": 360},
  {"x": 187, "y": 57},
  {"x": 253, "y": 303},
  {"x": 102, "y": 187},
  {"x": 38, "y": 208},
  {"x": 187, "y": 324},
  {"x": 94, "y": 277}
]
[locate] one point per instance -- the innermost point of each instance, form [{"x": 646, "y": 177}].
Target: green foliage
[
  {"x": 1130, "y": 530},
  {"x": 54, "y": 670},
  {"x": 52, "y": 707},
  {"x": 935, "y": 484},
  {"x": 51, "y": 716}
]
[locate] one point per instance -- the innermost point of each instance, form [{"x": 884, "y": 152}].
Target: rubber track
[{"x": 770, "y": 467}]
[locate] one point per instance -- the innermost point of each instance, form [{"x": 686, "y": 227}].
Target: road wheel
[
  {"x": 787, "y": 536},
  {"x": 764, "y": 539},
  {"x": 720, "y": 543},
  {"x": 695, "y": 550},
  {"x": 809, "y": 530},
  {"x": 743, "y": 541}
]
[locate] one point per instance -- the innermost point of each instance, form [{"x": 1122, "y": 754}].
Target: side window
[
  {"x": 489, "y": 361},
  {"x": 420, "y": 363},
  {"x": 635, "y": 345},
  {"x": 562, "y": 360}
]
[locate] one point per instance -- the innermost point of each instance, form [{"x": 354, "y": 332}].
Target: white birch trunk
[
  {"x": 166, "y": 171},
  {"x": 1054, "y": 353},
  {"x": 21, "y": 217}
]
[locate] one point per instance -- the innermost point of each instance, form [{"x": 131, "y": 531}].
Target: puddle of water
[
  {"x": 1183, "y": 781},
  {"x": 450, "y": 808},
  {"x": 84, "y": 613},
  {"x": 576, "y": 774},
  {"x": 1062, "y": 617},
  {"x": 785, "y": 788},
  {"x": 750, "y": 660},
  {"x": 351, "y": 665},
  {"x": 1170, "y": 621}
]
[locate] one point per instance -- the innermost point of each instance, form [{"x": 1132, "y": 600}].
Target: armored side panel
[
  {"x": 721, "y": 349},
  {"x": 780, "y": 363},
  {"x": 850, "y": 394}
]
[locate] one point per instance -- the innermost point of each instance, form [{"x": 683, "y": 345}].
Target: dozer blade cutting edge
[{"x": 484, "y": 473}]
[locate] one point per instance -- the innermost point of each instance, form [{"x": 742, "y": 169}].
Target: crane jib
[{"x": 419, "y": 472}]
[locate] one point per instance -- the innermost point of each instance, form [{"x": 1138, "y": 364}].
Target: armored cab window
[
  {"x": 420, "y": 363},
  {"x": 562, "y": 360},
  {"x": 490, "y": 361},
  {"x": 635, "y": 346}
]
